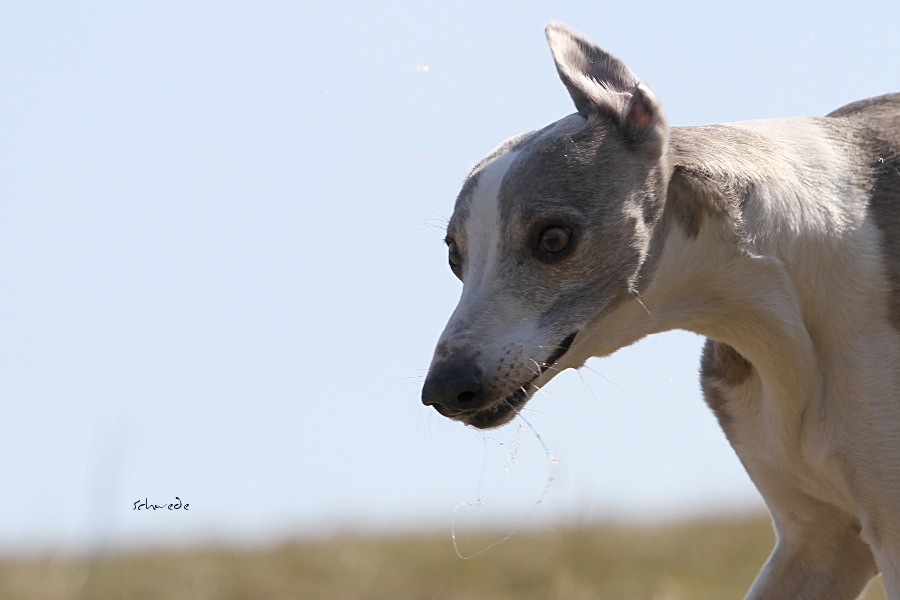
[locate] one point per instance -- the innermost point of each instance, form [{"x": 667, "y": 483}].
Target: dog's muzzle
[{"x": 456, "y": 389}]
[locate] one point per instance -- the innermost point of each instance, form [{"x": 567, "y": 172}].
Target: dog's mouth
[{"x": 503, "y": 411}]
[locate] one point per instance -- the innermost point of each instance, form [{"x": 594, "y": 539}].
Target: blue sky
[{"x": 222, "y": 271}]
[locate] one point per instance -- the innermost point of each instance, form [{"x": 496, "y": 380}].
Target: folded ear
[{"x": 600, "y": 83}]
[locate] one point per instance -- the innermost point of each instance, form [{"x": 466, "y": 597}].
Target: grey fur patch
[
  {"x": 715, "y": 171},
  {"x": 876, "y": 124},
  {"x": 886, "y": 208},
  {"x": 577, "y": 174},
  {"x": 722, "y": 368},
  {"x": 877, "y": 107},
  {"x": 694, "y": 196}
]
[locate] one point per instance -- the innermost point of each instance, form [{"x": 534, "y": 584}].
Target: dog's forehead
[{"x": 518, "y": 157}]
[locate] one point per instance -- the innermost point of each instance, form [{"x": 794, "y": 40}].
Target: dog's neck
[
  {"x": 712, "y": 286},
  {"x": 731, "y": 256}
]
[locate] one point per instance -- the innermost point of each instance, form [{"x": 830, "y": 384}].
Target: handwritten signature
[{"x": 145, "y": 505}]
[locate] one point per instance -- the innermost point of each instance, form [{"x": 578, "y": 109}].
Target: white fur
[
  {"x": 795, "y": 288},
  {"x": 818, "y": 426},
  {"x": 484, "y": 219}
]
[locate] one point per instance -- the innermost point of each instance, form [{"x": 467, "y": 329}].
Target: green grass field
[{"x": 690, "y": 560}]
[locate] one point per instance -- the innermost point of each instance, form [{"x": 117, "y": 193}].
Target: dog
[{"x": 778, "y": 240}]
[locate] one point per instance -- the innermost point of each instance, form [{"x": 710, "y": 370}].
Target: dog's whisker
[
  {"x": 587, "y": 388},
  {"x": 539, "y": 390},
  {"x": 610, "y": 382},
  {"x": 438, "y": 216},
  {"x": 439, "y": 227},
  {"x": 637, "y": 296},
  {"x": 553, "y": 367},
  {"x": 410, "y": 378}
]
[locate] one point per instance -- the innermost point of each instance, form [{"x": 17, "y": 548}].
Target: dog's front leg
[
  {"x": 888, "y": 559},
  {"x": 819, "y": 555}
]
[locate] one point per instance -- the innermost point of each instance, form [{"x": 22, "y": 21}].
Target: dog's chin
[{"x": 500, "y": 413}]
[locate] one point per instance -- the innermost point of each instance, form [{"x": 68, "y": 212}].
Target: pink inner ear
[
  {"x": 638, "y": 113},
  {"x": 639, "y": 116}
]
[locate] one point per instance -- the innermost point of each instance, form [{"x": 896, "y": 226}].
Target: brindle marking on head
[{"x": 877, "y": 124}]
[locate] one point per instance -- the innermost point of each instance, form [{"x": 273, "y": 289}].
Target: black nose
[{"x": 453, "y": 388}]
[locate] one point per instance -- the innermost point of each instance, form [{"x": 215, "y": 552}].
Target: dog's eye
[
  {"x": 453, "y": 256},
  {"x": 554, "y": 240}
]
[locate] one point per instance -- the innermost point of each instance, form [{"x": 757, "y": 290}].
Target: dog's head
[{"x": 549, "y": 234}]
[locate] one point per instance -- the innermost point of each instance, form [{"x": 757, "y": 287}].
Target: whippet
[{"x": 778, "y": 240}]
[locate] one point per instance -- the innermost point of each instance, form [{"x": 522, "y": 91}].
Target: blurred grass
[{"x": 712, "y": 559}]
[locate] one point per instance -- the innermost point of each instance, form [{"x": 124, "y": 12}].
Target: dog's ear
[{"x": 600, "y": 83}]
